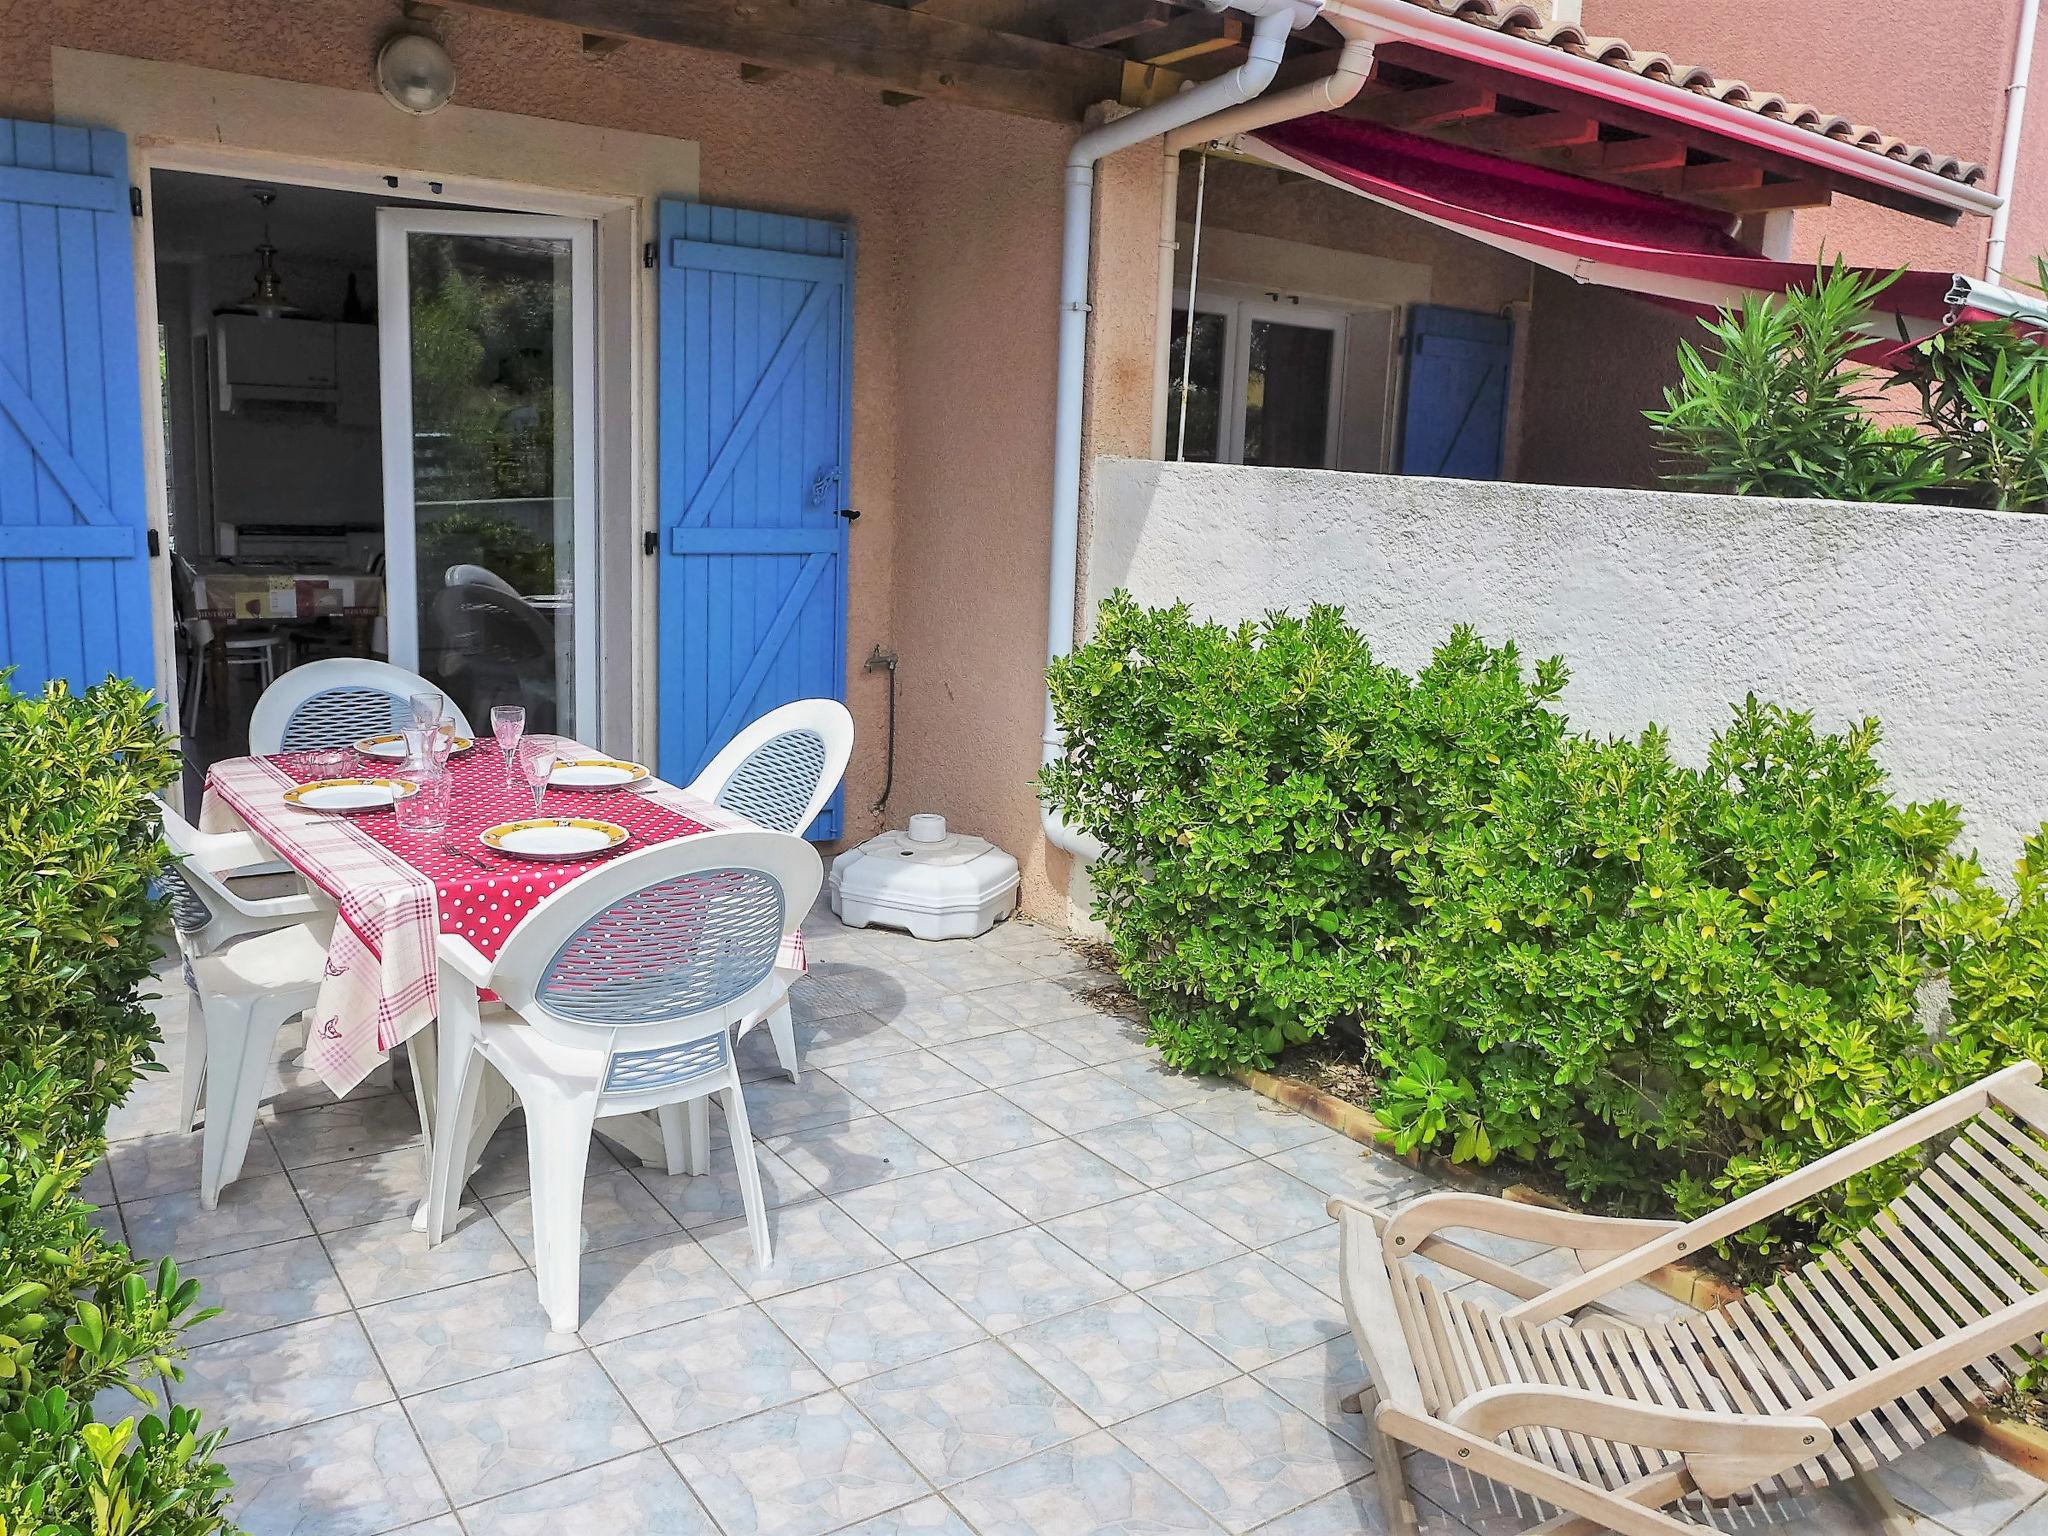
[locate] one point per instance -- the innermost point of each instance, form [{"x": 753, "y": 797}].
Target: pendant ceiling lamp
[{"x": 266, "y": 297}]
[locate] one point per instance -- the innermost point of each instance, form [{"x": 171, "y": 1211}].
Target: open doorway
[{"x": 379, "y": 426}]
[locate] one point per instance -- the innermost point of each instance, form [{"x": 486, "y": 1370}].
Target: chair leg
[
  {"x": 194, "y": 1081},
  {"x": 238, "y": 1047},
  {"x": 450, "y": 1150},
  {"x": 675, "y": 1139},
  {"x": 742, "y": 1140},
  {"x": 782, "y": 1030},
  {"x": 558, "y": 1123},
  {"x": 1396, "y": 1507},
  {"x": 699, "y": 1112}
]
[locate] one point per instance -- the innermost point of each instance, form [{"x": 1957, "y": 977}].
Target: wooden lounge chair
[{"x": 1864, "y": 1353}]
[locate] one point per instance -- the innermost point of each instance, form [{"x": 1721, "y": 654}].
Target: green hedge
[
  {"x": 78, "y": 850},
  {"x": 1668, "y": 983}
]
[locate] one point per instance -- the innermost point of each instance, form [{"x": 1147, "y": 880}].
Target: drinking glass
[
  {"x": 537, "y": 758},
  {"x": 426, "y": 809},
  {"x": 428, "y": 708},
  {"x": 508, "y": 724}
]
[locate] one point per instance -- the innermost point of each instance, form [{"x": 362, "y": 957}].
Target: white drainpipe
[
  {"x": 1334, "y": 90},
  {"x": 2009, "y": 144},
  {"x": 1272, "y": 21}
]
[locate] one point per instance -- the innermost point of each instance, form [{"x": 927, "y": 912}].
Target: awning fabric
[{"x": 1594, "y": 232}]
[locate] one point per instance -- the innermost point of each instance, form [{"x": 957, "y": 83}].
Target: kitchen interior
[{"x": 267, "y": 313}]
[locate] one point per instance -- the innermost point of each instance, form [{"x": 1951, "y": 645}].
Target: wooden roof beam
[
  {"x": 1632, "y": 118},
  {"x": 1769, "y": 198},
  {"x": 886, "y": 47}
]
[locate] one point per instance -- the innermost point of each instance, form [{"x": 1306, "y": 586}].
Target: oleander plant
[
  {"x": 82, "y": 1324},
  {"x": 1664, "y": 983}
]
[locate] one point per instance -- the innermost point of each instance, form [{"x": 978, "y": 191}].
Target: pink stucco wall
[{"x": 956, "y": 214}]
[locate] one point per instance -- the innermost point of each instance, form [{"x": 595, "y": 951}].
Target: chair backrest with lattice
[
  {"x": 332, "y": 703},
  {"x": 780, "y": 771},
  {"x": 654, "y": 957}
]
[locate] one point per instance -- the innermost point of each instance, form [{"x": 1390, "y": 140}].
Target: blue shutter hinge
[
  {"x": 135, "y": 201},
  {"x": 156, "y": 545},
  {"x": 647, "y": 255},
  {"x": 650, "y": 543}
]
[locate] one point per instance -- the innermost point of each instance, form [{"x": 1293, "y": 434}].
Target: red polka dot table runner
[{"x": 395, "y": 890}]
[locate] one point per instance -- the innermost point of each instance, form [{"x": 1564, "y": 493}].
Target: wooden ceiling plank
[
  {"x": 1623, "y": 157},
  {"x": 1432, "y": 106},
  {"x": 884, "y": 46},
  {"x": 1541, "y": 130}
]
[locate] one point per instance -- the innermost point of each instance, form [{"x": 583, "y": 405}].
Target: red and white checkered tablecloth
[{"x": 396, "y": 891}]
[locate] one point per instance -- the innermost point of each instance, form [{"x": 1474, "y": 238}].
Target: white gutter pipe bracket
[{"x": 1272, "y": 21}]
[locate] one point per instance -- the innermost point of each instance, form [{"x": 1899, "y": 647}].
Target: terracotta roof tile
[{"x": 1521, "y": 20}]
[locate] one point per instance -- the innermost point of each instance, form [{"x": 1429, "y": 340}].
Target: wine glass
[
  {"x": 427, "y": 709},
  {"x": 537, "y": 758},
  {"x": 508, "y": 724}
]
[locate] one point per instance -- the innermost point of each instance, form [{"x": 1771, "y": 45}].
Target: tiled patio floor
[{"x": 1025, "y": 1282}]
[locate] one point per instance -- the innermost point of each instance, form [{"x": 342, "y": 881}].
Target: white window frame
[
  {"x": 1240, "y": 309},
  {"x": 394, "y": 374}
]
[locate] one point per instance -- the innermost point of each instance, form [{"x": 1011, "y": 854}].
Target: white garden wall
[{"x": 1666, "y": 607}]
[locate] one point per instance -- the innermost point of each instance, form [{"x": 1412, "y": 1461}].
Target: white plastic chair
[
  {"x": 619, "y": 994},
  {"x": 477, "y": 576},
  {"x": 252, "y": 964},
  {"x": 778, "y": 773},
  {"x": 332, "y": 703}
]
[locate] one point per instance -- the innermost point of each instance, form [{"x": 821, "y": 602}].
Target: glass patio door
[{"x": 487, "y": 366}]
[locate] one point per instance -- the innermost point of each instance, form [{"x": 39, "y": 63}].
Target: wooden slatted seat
[{"x": 1862, "y": 1354}]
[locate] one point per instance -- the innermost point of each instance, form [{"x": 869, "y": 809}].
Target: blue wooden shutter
[
  {"x": 74, "y": 572},
  {"x": 756, "y": 431},
  {"x": 1457, "y": 401}
]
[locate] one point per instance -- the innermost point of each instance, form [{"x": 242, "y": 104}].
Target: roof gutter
[
  {"x": 1400, "y": 21},
  {"x": 1272, "y": 21}
]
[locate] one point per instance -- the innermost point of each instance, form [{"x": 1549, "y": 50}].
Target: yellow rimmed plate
[
  {"x": 554, "y": 839},
  {"x": 596, "y": 773},
  {"x": 390, "y": 746},
  {"x": 349, "y": 797}
]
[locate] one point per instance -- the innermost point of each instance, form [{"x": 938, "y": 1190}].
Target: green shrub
[
  {"x": 1776, "y": 407},
  {"x": 78, "y": 1315},
  {"x": 1668, "y": 983},
  {"x": 78, "y": 924}
]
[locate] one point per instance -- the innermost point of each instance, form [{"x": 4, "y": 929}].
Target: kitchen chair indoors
[
  {"x": 332, "y": 703},
  {"x": 1870, "y": 1349},
  {"x": 252, "y": 964},
  {"x": 778, "y": 773},
  {"x": 617, "y": 994}
]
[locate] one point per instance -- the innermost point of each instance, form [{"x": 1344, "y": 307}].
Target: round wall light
[{"x": 415, "y": 73}]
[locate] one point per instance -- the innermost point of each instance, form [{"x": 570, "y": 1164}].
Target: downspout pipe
[
  {"x": 2014, "y": 133},
  {"x": 1272, "y": 20},
  {"x": 1336, "y": 89}
]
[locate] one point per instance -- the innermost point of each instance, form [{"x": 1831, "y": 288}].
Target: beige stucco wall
[{"x": 956, "y": 213}]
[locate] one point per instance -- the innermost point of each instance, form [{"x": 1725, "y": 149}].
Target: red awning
[{"x": 1589, "y": 230}]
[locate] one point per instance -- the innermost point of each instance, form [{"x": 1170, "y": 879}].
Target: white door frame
[
  {"x": 624, "y": 381},
  {"x": 1309, "y": 317},
  {"x": 1239, "y": 308},
  {"x": 394, "y": 383}
]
